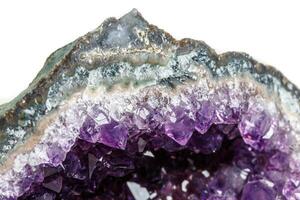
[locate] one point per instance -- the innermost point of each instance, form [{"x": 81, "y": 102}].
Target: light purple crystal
[
  {"x": 204, "y": 116},
  {"x": 114, "y": 135},
  {"x": 55, "y": 154},
  {"x": 89, "y": 130},
  {"x": 181, "y": 129},
  {"x": 253, "y": 126}
]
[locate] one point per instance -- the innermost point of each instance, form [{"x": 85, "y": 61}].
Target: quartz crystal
[{"x": 128, "y": 112}]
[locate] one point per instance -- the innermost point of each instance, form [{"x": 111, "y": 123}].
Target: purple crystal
[
  {"x": 210, "y": 165},
  {"x": 73, "y": 167},
  {"x": 89, "y": 131},
  {"x": 92, "y": 161},
  {"x": 56, "y": 154},
  {"x": 253, "y": 126},
  {"x": 291, "y": 189},
  {"x": 206, "y": 143},
  {"x": 181, "y": 130},
  {"x": 179, "y": 157},
  {"x": 126, "y": 112},
  {"x": 279, "y": 161},
  {"x": 54, "y": 185},
  {"x": 204, "y": 116},
  {"x": 257, "y": 190},
  {"x": 114, "y": 135},
  {"x": 227, "y": 179}
]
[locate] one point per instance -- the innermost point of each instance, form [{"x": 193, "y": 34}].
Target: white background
[{"x": 31, "y": 30}]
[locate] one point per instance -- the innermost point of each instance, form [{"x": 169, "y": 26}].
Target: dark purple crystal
[
  {"x": 207, "y": 165},
  {"x": 258, "y": 190}
]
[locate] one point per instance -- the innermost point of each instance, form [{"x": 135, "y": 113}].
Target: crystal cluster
[{"x": 127, "y": 112}]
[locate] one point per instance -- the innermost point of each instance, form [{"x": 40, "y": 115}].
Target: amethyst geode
[{"x": 128, "y": 112}]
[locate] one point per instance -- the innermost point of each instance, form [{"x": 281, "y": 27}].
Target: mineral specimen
[{"x": 128, "y": 112}]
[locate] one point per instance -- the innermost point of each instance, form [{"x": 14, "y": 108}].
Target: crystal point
[{"x": 54, "y": 185}]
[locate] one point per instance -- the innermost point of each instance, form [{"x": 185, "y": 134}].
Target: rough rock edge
[{"x": 60, "y": 61}]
